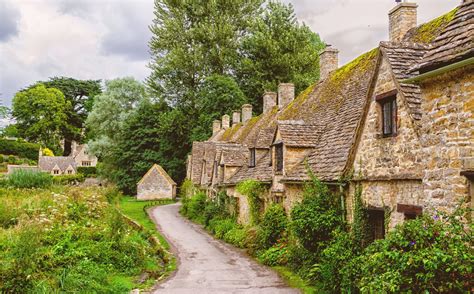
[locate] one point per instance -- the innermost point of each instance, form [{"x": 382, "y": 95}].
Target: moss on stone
[
  {"x": 248, "y": 127},
  {"x": 426, "y": 33},
  {"x": 230, "y": 132},
  {"x": 289, "y": 110}
]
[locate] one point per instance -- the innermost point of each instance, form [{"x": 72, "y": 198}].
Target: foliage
[
  {"x": 217, "y": 95},
  {"x": 19, "y": 148},
  {"x": 22, "y": 178},
  {"x": 87, "y": 171},
  {"x": 40, "y": 114},
  {"x": 316, "y": 217},
  {"x": 253, "y": 191},
  {"x": 69, "y": 179},
  {"x": 194, "y": 206},
  {"x": 277, "y": 49},
  {"x": 431, "y": 253},
  {"x": 110, "y": 110},
  {"x": 236, "y": 236},
  {"x": 67, "y": 239},
  {"x": 275, "y": 255},
  {"x": 273, "y": 226},
  {"x": 80, "y": 96},
  {"x": 47, "y": 152}
]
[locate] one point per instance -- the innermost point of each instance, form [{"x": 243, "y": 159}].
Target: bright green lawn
[{"x": 136, "y": 210}]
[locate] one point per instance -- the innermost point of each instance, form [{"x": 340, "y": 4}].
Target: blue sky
[{"x": 105, "y": 39}]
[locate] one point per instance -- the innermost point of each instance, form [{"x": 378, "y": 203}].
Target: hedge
[
  {"x": 87, "y": 171},
  {"x": 19, "y": 148}
]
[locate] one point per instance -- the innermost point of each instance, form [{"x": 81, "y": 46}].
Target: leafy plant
[
  {"x": 253, "y": 190},
  {"x": 273, "y": 226},
  {"x": 22, "y": 178}
]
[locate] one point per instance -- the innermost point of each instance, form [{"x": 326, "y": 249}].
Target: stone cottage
[
  {"x": 395, "y": 123},
  {"x": 67, "y": 165},
  {"x": 156, "y": 184}
]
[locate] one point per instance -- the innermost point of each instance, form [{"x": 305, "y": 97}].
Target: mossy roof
[{"x": 426, "y": 33}]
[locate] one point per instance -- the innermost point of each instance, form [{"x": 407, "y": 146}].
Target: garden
[
  {"x": 69, "y": 239},
  {"x": 318, "y": 251}
]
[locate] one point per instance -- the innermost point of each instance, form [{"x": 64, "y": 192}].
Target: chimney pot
[
  {"x": 225, "y": 121},
  {"x": 269, "y": 101},
  {"x": 246, "y": 112},
  {"x": 216, "y": 126},
  {"x": 402, "y": 18},
  {"x": 286, "y": 94},
  {"x": 235, "y": 118},
  {"x": 328, "y": 62}
]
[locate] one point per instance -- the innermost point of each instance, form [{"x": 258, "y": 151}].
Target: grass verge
[
  {"x": 137, "y": 210},
  {"x": 294, "y": 281}
]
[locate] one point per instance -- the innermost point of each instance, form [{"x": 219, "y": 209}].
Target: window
[
  {"x": 388, "y": 103},
  {"x": 376, "y": 225},
  {"x": 409, "y": 211},
  {"x": 56, "y": 172},
  {"x": 253, "y": 160},
  {"x": 86, "y": 163},
  {"x": 279, "y": 157},
  {"x": 69, "y": 172}
]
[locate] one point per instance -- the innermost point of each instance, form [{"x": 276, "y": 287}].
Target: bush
[
  {"x": 12, "y": 159},
  {"x": 275, "y": 255},
  {"x": 253, "y": 190},
  {"x": 272, "y": 227},
  {"x": 194, "y": 207},
  {"x": 236, "y": 236},
  {"x": 69, "y": 179},
  {"x": 29, "y": 179},
  {"x": 87, "y": 171},
  {"x": 19, "y": 148},
  {"x": 1, "y": 159},
  {"x": 220, "y": 227},
  {"x": 316, "y": 217},
  {"x": 429, "y": 254}
]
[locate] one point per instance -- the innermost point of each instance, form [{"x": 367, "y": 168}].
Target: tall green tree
[
  {"x": 192, "y": 40},
  {"x": 278, "y": 49},
  {"x": 40, "y": 114},
  {"x": 80, "y": 95},
  {"x": 110, "y": 110}
]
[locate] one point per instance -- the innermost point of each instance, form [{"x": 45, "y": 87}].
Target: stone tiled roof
[
  {"x": 234, "y": 156},
  {"x": 197, "y": 160},
  {"x": 160, "y": 171},
  {"x": 341, "y": 98},
  {"x": 299, "y": 134},
  {"x": 47, "y": 163},
  {"x": 261, "y": 172},
  {"x": 265, "y": 137},
  {"x": 402, "y": 57},
  {"x": 456, "y": 41}
]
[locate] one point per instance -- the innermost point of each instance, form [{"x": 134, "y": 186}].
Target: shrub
[
  {"x": 12, "y": 159},
  {"x": 19, "y": 148},
  {"x": 87, "y": 171},
  {"x": 69, "y": 179},
  {"x": 47, "y": 152},
  {"x": 275, "y": 255},
  {"x": 253, "y": 190},
  {"x": 194, "y": 207},
  {"x": 29, "y": 179},
  {"x": 236, "y": 236},
  {"x": 316, "y": 217},
  {"x": 1, "y": 159},
  {"x": 429, "y": 254},
  {"x": 272, "y": 227},
  {"x": 220, "y": 227}
]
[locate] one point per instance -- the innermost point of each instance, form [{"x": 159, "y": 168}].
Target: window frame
[
  {"x": 388, "y": 102},
  {"x": 374, "y": 217},
  {"x": 252, "y": 157},
  {"x": 279, "y": 161}
]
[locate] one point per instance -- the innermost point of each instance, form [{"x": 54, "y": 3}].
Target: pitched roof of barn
[{"x": 160, "y": 171}]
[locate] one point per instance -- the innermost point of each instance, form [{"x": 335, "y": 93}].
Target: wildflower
[{"x": 412, "y": 243}]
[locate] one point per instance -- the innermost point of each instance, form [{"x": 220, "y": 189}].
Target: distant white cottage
[
  {"x": 67, "y": 165},
  {"x": 156, "y": 184}
]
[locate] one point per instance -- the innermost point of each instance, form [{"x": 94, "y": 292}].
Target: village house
[
  {"x": 156, "y": 184},
  {"x": 395, "y": 124},
  {"x": 67, "y": 165}
]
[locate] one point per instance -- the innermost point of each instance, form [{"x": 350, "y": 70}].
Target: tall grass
[{"x": 29, "y": 179}]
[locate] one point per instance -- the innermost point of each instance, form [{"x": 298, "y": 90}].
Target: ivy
[{"x": 253, "y": 190}]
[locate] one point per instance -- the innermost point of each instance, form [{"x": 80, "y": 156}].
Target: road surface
[{"x": 206, "y": 265}]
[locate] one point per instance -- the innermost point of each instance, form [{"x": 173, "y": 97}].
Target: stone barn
[{"x": 156, "y": 184}]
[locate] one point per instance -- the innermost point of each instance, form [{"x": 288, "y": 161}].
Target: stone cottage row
[{"x": 397, "y": 122}]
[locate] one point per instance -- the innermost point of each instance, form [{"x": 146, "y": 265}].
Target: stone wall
[
  {"x": 402, "y": 18},
  {"x": 155, "y": 186},
  {"x": 447, "y": 137}
]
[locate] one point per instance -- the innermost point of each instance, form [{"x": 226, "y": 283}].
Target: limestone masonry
[{"x": 396, "y": 123}]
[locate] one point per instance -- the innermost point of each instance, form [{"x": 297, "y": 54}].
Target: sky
[{"x": 106, "y": 39}]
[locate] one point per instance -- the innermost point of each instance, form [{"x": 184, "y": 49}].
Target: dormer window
[
  {"x": 388, "y": 104},
  {"x": 252, "y": 157},
  {"x": 56, "y": 172},
  {"x": 279, "y": 157}
]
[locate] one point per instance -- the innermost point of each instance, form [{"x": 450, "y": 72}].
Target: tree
[
  {"x": 110, "y": 110},
  {"x": 40, "y": 114},
  {"x": 80, "y": 94},
  {"x": 218, "y": 95},
  {"x": 277, "y": 49},
  {"x": 192, "y": 40}
]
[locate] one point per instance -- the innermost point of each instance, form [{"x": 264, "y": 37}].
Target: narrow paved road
[{"x": 207, "y": 265}]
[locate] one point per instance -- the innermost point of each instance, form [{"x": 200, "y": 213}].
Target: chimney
[
  {"x": 216, "y": 126},
  {"x": 328, "y": 62},
  {"x": 286, "y": 94},
  {"x": 235, "y": 118},
  {"x": 246, "y": 112},
  {"x": 269, "y": 101},
  {"x": 402, "y": 18},
  {"x": 225, "y": 121}
]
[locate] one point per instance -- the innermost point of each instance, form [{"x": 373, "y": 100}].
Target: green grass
[
  {"x": 136, "y": 210},
  {"x": 294, "y": 281}
]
